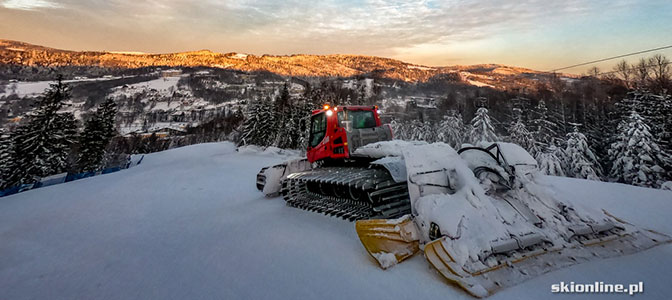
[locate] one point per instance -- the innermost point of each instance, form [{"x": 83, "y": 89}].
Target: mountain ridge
[{"x": 307, "y": 65}]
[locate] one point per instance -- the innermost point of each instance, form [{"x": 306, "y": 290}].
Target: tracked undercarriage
[{"x": 352, "y": 193}]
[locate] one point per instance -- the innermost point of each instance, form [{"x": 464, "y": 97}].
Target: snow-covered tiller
[{"x": 484, "y": 223}]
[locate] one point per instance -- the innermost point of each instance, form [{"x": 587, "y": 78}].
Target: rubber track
[{"x": 381, "y": 196}]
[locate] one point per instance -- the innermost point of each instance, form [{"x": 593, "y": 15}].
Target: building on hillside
[{"x": 171, "y": 73}]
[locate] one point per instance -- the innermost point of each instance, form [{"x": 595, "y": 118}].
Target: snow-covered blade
[
  {"x": 486, "y": 280},
  {"x": 487, "y": 224},
  {"x": 388, "y": 241}
]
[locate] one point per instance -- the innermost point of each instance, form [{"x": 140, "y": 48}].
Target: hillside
[
  {"x": 189, "y": 224},
  {"x": 19, "y": 53},
  {"x": 182, "y": 90}
]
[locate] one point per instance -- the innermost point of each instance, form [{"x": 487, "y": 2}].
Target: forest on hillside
[{"x": 611, "y": 126}]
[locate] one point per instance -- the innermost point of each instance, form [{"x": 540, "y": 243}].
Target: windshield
[
  {"x": 318, "y": 128},
  {"x": 357, "y": 119}
]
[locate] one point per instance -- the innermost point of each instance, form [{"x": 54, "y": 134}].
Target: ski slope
[{"x": 189, "y": 223}]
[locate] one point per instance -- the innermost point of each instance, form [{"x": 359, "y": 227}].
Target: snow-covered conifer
[
  {"x": 303, "y": 119},
  {"x": 482, "y": 129},
  {"x": 251, "y": 134},
  {"x": 450, "y": 130},
  {"x": 637, "y": 158},
  {"x": 397, "y": 129},
  {"x": 581, "y": 161},
  {"x": 289, "y": 133},
  {"x": 97, "y": 133},
  {"x": 7, "y": 162},
  {"x": 518, "y": 134},
  {"x": 543, "y": 128},
  {"x": 550, "y": 163},
  {"x": 42, "y": 144},
  {"x": 416, "y": 131},
  {"x": 422, "y": 131}
]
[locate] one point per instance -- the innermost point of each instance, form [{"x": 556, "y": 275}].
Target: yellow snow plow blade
[
  {"x": 388, "y": 241},
  {"x": 480, "y": 280},
  {"x": 443, "y": 262}
]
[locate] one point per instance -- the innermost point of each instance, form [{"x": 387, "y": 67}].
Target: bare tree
[
  {"x": 641, "y": 70},
  {"x": 624, "y": 72},
  {"x": 594, "y": 72},
  {"x": 660, "y": 71},
  {"x": 557, "y": 85}
]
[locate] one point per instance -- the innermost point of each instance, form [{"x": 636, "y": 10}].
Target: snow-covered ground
[
  {"x": 478, "y": 83},
  {"x": 168, "y": 84},
  {"x": 189, "y": 224},
  {"x": 33, "y": 88}
]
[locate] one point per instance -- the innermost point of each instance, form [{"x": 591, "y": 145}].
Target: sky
[{"x": 537, "y": 34}]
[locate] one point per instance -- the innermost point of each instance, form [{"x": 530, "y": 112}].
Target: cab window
[
  {"x": 318, "y": 129},
  {"x": 357, "y": 119}
]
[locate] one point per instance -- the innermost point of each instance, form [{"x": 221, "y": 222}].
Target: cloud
[
  {"x": 371, "y": 23},
  {"x": 401, "y": 29},
  {"x": 382, "y": 25},
  {"x": 28, "y": 4}
]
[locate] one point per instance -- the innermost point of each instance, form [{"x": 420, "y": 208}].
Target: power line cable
[
  {"x": 610, "y": 58},
  {"x": 635, "y": 68}
]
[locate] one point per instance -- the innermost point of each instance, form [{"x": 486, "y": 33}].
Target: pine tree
[
  {"x": 599, "y": 132},
  {"x": 42, "y": 143},
  {"x": 451, "y": 130},
  {"x": 250, "y": 131},
  {"x": 7, "y": 162},
  {"x": 268, "y": 126},
  {"x": 97, "y": 133},
  {"x": 428, "y": 132},
  {"x": 303, "y": 117},
  {"x": 482, "y": 129},
  {"x": 347, "y": 101},
  {"x": 637, "y": 158},
  {"x": 518, "y": 134},
  {"x": 655, "y": 110},
  {"x": 651, "y": 107},
  {"x": 400, "y": 129},
  {"x": 422, "y": 131},
  {"x": 288, "y": 135},
  {"x": 278, "y": 119},
  {"x": 259, "y": 127},
  {"x": 544, "y": 129},
  {"x": 550, "y": 163},
  {"x": 396, "y": 129},
  {"x": 416, "y": 132},
  {"x": 581, "y": 161},
  {"x": 361, "y": 94}
]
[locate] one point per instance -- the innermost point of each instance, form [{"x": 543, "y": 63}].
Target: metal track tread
[{"x": 351, "y": 193}]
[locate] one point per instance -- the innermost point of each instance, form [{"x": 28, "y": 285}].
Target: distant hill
[{"x": 20, "y": 53}]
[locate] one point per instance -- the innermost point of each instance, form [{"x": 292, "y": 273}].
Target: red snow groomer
[
  {"x": 336, "y": 132},
  {"x": 484, "y": 216},
  {"x": 344, "y": 183}
]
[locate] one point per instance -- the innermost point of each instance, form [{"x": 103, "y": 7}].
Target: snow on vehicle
[
  {"x": 343, "y": 182},
  {"x": 485, "y": 224}
]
